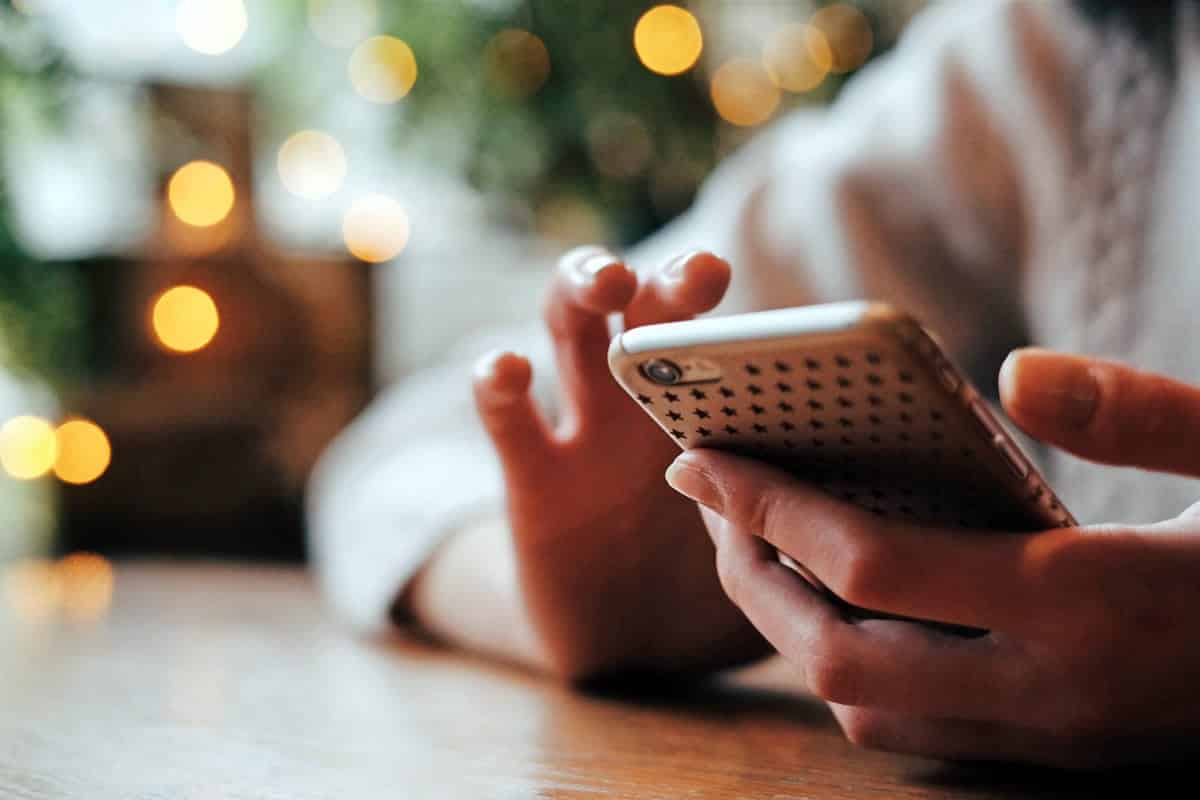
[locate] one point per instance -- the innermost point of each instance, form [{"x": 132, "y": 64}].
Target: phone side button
[
  {"x": 1016, "y": 462},
  {"x": 949, "y": 376},
  {"x": 984, "y": 417}
]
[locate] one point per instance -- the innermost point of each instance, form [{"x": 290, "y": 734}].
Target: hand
[
  {"x": 615, "y": 570},
  {"x": 1094, "y": 647}
]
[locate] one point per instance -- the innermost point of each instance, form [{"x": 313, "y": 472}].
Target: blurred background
[{"x": 224, "y": 224}]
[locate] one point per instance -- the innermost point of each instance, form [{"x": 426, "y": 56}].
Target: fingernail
[
  {"x": 487, "y": 372},
  {"x": 1050, "y": 387},
  {"x": 693, "y": 484},
  {"x": 485, "y": 367},
  {"x": 591, "y": 268},
  {"x": 674, "y": 270}
]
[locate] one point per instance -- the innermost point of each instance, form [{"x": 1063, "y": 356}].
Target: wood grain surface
[{"x": 220, "y": 683}]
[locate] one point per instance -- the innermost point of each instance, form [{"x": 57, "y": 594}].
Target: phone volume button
[
  {"x": 984, "y": 417},
  {"x": 949, "y": 375},
  {"x": 1016, "y": 462}
]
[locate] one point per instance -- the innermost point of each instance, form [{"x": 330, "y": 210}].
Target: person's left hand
[{"x": 1093, "y": 654}]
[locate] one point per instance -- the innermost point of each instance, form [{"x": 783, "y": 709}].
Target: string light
[
  {"x": 668, "y": 40},
  {"x": 211, "y": 27},
  {"x": 375, "y": 228},
  {"x": 383, "y": 69},
  {"x": 342, "y": 23},
  {"x": 201, "y": 193},
  {"x": 85, "y": 586},
  {"x": 312, "y": 164},
  {"x": 516, "y": 63},
  {"x": 848, "y": 32},
  {"x": 28, "y": 447},
  {"x": 743, "y": 93},
  {"x": 84, "y": 452},
  {"x": 797, "y": 57},
  {"x": 185, "y": 319},
  {"x": 79, "y": 586}
]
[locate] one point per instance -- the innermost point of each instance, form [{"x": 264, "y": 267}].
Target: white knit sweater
[{"x": 1010, "y": 174}]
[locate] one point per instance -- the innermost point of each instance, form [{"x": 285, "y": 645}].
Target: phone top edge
[{"x": 777, "y": 324}]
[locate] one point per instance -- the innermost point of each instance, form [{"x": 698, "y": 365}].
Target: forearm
[{"x": 468, "y": 596}]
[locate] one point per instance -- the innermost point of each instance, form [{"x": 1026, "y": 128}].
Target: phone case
[{"x": 856, "y": 398}]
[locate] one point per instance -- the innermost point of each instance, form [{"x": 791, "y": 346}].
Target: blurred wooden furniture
[
  {"x": 211, "y": 449},
  {"x": 233, "y": 684}
]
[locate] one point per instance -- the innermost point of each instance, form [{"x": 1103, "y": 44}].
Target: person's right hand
[{"x": 615, "y": 569}]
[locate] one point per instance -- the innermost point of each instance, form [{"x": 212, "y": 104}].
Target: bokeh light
[
  {"x": 848, "y": 32},
  {"x": 619, "y": 144},
  {"x": 312, "y": 164},
  {"x": 33, "y": 589},
  {"x": 743, "y": 93},
  {"x": 797, "y": 57},
  {"x": 342, "y": 23},
  {"x": 516, "y": 63},
  {"x": 28, "y": 447},
  {"x": 185, "y": 319},
  {"x": 201, "y": 193},
  {"x": 211, "y": 27},
  {"x": 668, "y": 40},
  {"x": 85, "y": 586},
  {"x": 84, "y": 452},
  {"x": 383, "y": 69},
  {"x": 375, "y": 228}
]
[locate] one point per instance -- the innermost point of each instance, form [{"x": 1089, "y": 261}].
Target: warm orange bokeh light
[
  {"x": 185, "y": 319},
  {"x": 743, "y": 93},
  {"x": 201, "y": 193},
  {"x": 375, "y": 228},
  {"x": 516, "y": 63},
  {"x": 798, "y": 57},
  {"x": 85, "y": 586},
  {"x": 84, "y": 452},
  {"x": 668, "y": 40},
  {"x": 383, "y": 69},
  {"x": 848, "y": 32},
  {"x": 28, "y": 447}
]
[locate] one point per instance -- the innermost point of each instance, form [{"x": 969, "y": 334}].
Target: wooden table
[{"x": 215, "y": 683}]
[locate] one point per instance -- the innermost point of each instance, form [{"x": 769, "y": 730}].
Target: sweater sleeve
[{"x": 908, "y": 190}]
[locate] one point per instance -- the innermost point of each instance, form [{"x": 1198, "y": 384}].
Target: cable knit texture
[{"x": 1011, "y": 173}]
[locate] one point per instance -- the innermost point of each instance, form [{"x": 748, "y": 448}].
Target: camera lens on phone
[{"x": 662, "y": 372}]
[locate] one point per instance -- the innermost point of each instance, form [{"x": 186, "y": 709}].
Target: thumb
[{"x": 1104, "y": 411}]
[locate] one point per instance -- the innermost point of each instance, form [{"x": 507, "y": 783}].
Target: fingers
[
  {"x": 881, "y": 664},
  {"x": 589, "y": 284},
  {"x": 1104, "y": 411},
  {"x": 688, "y": 285},
  {"x": 986, "y": 580},
  {"x": 512, "y": 418}
]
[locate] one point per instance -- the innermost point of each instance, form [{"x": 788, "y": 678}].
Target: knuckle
[
  {"x": 862, "y": 569},
  {"x": 833, "y": 676},
  {"x": 1129, "y": 408}
]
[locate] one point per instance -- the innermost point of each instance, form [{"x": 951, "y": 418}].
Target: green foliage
[
  {"x": 40, "y": 304},
  {"x": 536, "y": 148}
]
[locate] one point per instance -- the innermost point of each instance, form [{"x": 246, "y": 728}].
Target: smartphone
[{"x": 855, "y": 398}]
